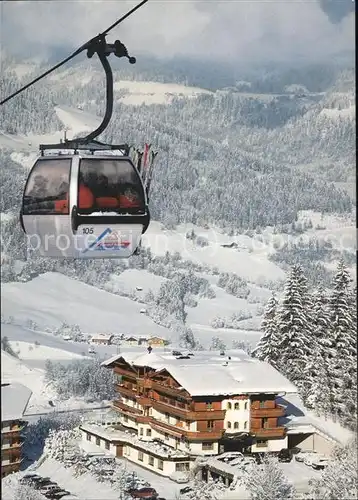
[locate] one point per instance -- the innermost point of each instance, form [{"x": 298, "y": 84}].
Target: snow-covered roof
[
  {"x": 298, "y": 418},
  {"x": 14, "y": 400},
  {"x": 103, "y": 336},
  {"x": 208, "y": 373}
]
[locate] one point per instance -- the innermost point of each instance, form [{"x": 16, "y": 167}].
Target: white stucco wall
[
  {"x": 239, "y": 415},
  {"x": 272, "y": 445}
]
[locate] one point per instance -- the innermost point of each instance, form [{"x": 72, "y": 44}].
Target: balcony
[
  {"x": 273, "y": 432},
  {"x": 279, "y": 411},
  {"x": 144, "y": 401},
  {"x": 11, "y": 446},
  {"x": 177, "y": 430},
  {"x": 126, "y": 392},
  {"x": 118, "y": 405},
  {"x": 144, "y": 382},
  {"x": 126, "y": 373},
  {"x": 187, "y": 414},
  {"x": 172, "y": 391}
]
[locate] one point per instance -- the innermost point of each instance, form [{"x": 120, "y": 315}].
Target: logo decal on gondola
[{"x": 108, "y": 240}]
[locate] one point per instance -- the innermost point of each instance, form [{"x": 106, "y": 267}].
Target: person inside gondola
[
  {"x": 129, "y": 197},
  {"x": 85, "y": 195},
  {"x": 105, "y": 197},
  {"x": 61, "y": 203}
]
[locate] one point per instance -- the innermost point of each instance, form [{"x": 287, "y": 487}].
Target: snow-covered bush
[
  {"x": 212, "y": 490},
  {"x": 339, "y": 479},
  {"x": 62, "y": 444},
  {"x": 267, "y": 481}
]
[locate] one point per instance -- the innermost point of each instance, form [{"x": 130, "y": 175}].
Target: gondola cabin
[{"x": 84, "y": 206}]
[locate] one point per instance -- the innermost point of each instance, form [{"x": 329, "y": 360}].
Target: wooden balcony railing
[
  {"x": 267, "y": 412},
  {"x": 144, "y": 401},
  {"x": 126, "y": 373},
  {"x": 177, "y": 430},
  {"x": 125, "y": 391},
  {"x": 269, "y": 432},
  {"x": 187, "y": 414},
  {"x": 125, "y": 408},
  {"x": 145, "y": 382},
  {"x": 172, "y": 391}
]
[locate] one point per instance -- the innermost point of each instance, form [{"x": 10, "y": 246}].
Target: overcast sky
[{"x": 240, "y": 30}]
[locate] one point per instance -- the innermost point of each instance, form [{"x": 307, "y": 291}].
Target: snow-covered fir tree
[
  {"x": 343, "y": 331},
  {"x": 294, "y": 327},
  {"x": 267, "y": 347}
]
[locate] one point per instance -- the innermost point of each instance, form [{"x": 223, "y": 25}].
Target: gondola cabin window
[
  {"x": 109, "y": 185},
  {"x": 47, "y": 189}
]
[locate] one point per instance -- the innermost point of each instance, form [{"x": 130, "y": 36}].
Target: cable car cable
[{"x": 85, "y": 46}]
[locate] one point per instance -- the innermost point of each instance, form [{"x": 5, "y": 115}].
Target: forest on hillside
[{"x": 217, "y": 162}]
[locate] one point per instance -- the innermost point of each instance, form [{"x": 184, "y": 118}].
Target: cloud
[{"x": 243, "y": 31}]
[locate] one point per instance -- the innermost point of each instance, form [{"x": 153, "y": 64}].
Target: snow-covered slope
[{"x": 53, "y": 298}]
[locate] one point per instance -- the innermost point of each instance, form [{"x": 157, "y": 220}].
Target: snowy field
[
  {"x": 153, "y": 92},
  {"x": 53, "y": 298}
]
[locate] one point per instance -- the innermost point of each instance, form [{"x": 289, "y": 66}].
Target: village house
[
  {"x": 14, "y": 400},
  {"x": 156, "y": 342},
  {"x": 202, "y": 405},
  {"x": 102, "y": 339}
]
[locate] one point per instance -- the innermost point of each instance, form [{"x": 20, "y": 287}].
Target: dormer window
[{"x": 229, "y": 406}]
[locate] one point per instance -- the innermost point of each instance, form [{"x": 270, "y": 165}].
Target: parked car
[
  {"x": 311, "y": 457},
  {"x": 185, "y": 490},
  {"x": 49, "y": 488},
  {"x": 300, "y": 457},
  {"x": 143, "y": 493},
  {"x": 320, "y": 463},
  {"x": 56, "y": 495},
  {"x": 285, "y": 455}
]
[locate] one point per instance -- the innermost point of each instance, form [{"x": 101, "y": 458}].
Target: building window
[
  {"x": 182, "y": 467},
  {"x": 149, "y": 432},
  {"x": 229, "y": 425},
  {"x": 166, "y": 436},
  {"x": 245, "y": 406},
  {"x": 265, "y": 423},
  {"x": 236, "y": 425},
  {"x": 160, "y": 465},
  {"x": 228, "y": 406},
  {"x": 106, "y": 444},
  {"x": 209, "y": 406},
  {"x": 141, "y": 431},
  {"x": 150, "y": 460},
  {"x": 262, "y": 404},
  {"x": 208, "y": 446},
  {"x": 140, "y": 456},
  {"x": 245, "y": 425},
  {"x": 210, "y": 424},
  {"x": 98, "y": 441},
  {"x": 237, "y": 406},
  {"x": 261, "y": 443},
  {"x": 167, "y": 416},
  {"x": 125, "y": 418},
  {"x": 88, "y": 437}
]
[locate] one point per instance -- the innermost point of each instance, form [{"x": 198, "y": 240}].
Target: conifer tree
[
  {"x": 294, "y": 328},
  {"x": 267, "y": 347}
]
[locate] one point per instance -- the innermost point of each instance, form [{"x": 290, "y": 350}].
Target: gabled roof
[
  {"x": 14, "y": 400},
  {"x": 209, "y": 374}
]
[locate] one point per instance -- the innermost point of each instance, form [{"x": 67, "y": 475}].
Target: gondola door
[{"x": 45, "y": 213}]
